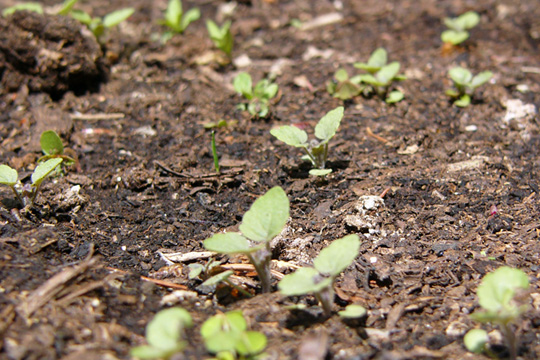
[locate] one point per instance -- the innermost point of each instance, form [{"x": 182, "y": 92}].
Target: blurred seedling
[
  {"x": 38, "y": 8},
  {"x": 208, "y": 274},
  {"x": 343, "y": 87},
  {"x": 381, "y": 76},
  {"x": 98, "y": 25},
  {"x": 176, "y": 20},
  {"x": 316, "y": 149},
  {"x": 52, "y": 147},
  {"x": 221, "y": 36},
  {"x": 258, "y": 97},
  {"x": 222, "y": 123},
  {"x": 261, "y": 223},
  {"x": 500, "y": 295},
  {"x": 164, "y": 335},
  {"x": 319, "y": 279},
  {"x": 226, "y": 335},
  {"x": 465, "y": 84},
  {"x": 27, "y": 193},
  {"x": 214, "y": 151},
  {"x": 458, "y": 27}
]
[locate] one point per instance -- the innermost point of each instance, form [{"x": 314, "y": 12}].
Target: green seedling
[
  {"x": 381, "y": 75},
  {"x": 319, "y": 280},
  {"x": 98, "y": 25},
  {"x": 27, "y": 193},
  {"x": 29, "y": 6},
  {"x": 164, "y": 335},
  {"x": 316, "y": 149},
  {"x": 343, "y": 87},
  {"x": 260, "y": 224},
  {"x": 353, "y": 311},
  {"x": 221, "y": 36},
  {"x": 176, "y": 20},
  {"x": 498, "y": 295},
  {"x": 465, "y": 84},
  {"x": 226, "y": 335},
  {"x": 458, "y": 26},
  {"x": 219, "y": 124},
  {"x": 214, "y": 152},
  {"x": 258, "y": 97},
  {"x": 52, "y": 148}
]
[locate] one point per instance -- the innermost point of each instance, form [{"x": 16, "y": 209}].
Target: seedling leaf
[
  {"x": 251, "y": 343},
  {"x": 51, "y": 144},
  {"x": 454, "y": 37},
  {"x": 475, "y": 340},
  {"x": 81, "y": 17},
  {"x": 353, "y": 311},
  {"x": 481, "y": 78},
  {"x": 378, "y": 58},
  {"x": 66, "y": 7},
  {"x": 303, "y": 281},
  {"x": 341, "y": 75},
  {"x": 150, "y": 352},
  {"x": 267, "y": 216},
  {"x": 387, "y": 73},
  {"x": 165, "y": 329},
  {"x": 337, "y": 256},
  {"x": 8, "y": 175},
  {"x": 394, "y": 97},
  {"x": 30, "y": 6},
  {"x": 290, "y": 135},
  {"x": 320, "y": 172},
  {"x": 216, "y": 279},
  {"x": 468, "y": 20},
  {"x": 243, "y": 85},
  {"x": 173, "y": 14},
  {"x": 463, "y": 101},
  {"x": 499, "y": 287},
  {"x": 229, "y": 243},
  {"x": 44, "y": 169},
  {"x": 116, "y": 17},
  {"x": 190, "y": 16},
  {"x": 460, "y": 75},
  {"x": 328, "y": 125}
]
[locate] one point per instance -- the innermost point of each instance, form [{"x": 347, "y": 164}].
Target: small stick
[
  {"x": 375, "y": 136},
  {"x": 95, "y": 117},
  {"x": 155, "y": 281}
]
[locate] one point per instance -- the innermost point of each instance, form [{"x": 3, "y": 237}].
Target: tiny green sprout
[
  {"x": 353, "y": 311},
  {"x": 219, "y": 124},
  {"x": 52, "y": 147},
  {"x": 258, "y": 97},
  {"x": 319, "y": 279},
  {"x": 164, "y": 335},
  {"x": 465, "y": 84},
  {"x": 458, "y": 26},
  {"x": 176, "y": 20},
  {"x": 67, "y": 6},
  {"x": 224, "y": 277},
  {"x": 260, "y": 224},
  {"x": 28, "y": 193},
  {"x": 98, "y": 25},
  {"x": 343, "y": 87},
  {"x": 226, "y": 335},
  {"x": 476, "y": 340},
  {"x": 29, "y": 6},
  {"x": 381, "y": 75},
  {"x": 221, "y": 36},
  {"x": 497, "y": 295},
  {"x": 317, "y": 150},
  {"x": 214, "y": 152}
]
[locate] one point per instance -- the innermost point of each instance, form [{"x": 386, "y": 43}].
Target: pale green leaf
[
  {"x": 51, "y": 144},
  {"x": 498, "y": 288},
  {"x": 222, "y": 341},
  {"x": 228, "y": 243},
  {"x": 480, "y": 79},
  {"x": 346, "y": 90},
  {"x": 267, "y": 216},
  {"x": 378, "y": 58},
  {"x": 337, "y": 256},
  {"x": 454, "y": 37},
  {"x": 116, "y": 17},
  {"x": 468, "y": 20},
  {"x": 463, "y": 101},
  {"x": 190, "y": 16},
  {"x": 303, "y": 281},
  {"x": 66, "y": 7},
  {"x": 475, "y": 340},
  {"x": 341, "y": 75},
  {"x": 30, "y": 6},
  {"x": 165, "y": 329},
  {"x": 216, "y": 279},
  {"x": 173, "y": 14},
  {"x": 387, "y": 73},
  {"x": 81, "y": 17},
  {"x": 394, "y": 97},
  {"x": 251, "y": 343},
  {"x": 353, "y": 311},
  {"x": 43, "y": 170},
  {"x": 150, "y": 352},
  {"x": 8, "y": 175},
  {"x": 243, "y": 85},
  {"x": 329, "y": 123},
  {"x": 290, "y": 135},
  {"x": 213, "y": 29},
  {"x": 460, "y": 75},
  {"x": 320, "y": 172}
]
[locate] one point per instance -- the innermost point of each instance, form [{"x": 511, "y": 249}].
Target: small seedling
[
  {"x": 176, "y": 20},
  {"x": 381, "y": 75},
  {"x": 52, "y": 147},
  {"x": 260, "y": 224},
  {"x": 97, "y": 24},
  {"x": 317, "y": 150},
  {"x": 206, "y": 273},
  {"x": 458, "y": 26},
  {"x": 226, "y": 335},
  {"x": 164, "y": 335},
  {"x": 27, "y": 193},
  {"x": 465, "y": 84},
  {"x": 221, "y": 36},
  {"x": 353, "y": 311},
  {"x": 214, "y": 152},
  {"x": 343, "y": 87},
  {"x": 319, "y": 280},
  {"x": 219, "y": 124},
  {"x": 29, "y": 6},
  {"x": 497, "y": 295},
  {"x": 258, "y": 97}
]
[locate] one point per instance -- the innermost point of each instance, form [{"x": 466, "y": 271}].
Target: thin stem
[
  {"x": 214, "y": 152},
  {"x": 262, "y": 268},
  {"x": 325, "y": 156},
  {"x": 510, "y": 340},
  {"x": 311, "y": 157},
  {"x": 326, "y": 298},
  {"x": 238, "y": 288},
  {"x": 17, "y": 195}
]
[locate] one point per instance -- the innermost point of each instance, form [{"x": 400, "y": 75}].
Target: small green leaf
[
  {"x": 43, "y": 170},
  {"x": 353, "y": 311},
  {"x": 305, "y": 280},
  {"x": 480, "y": 79},
  {"x": 51, "y": 144},
  {"x": 460, "y": 75},
  {"x": 498, "y": 288},
  {"x": 150, "y": 352},
  {"x": 228, "y": 243},
  {"x": 346, "y": 90},
  {"x": 195, "y": 270},
  {"x": 221, "y": 341},
  {"x": 81, "y": 17},
  {"x": 30, "y": 6},
  {"x": 475, "y": 340},
  {"x": 320, "y": 172},
  {"x": 251, "y": 343},
  {"x": 378, "y": 58},
  {"x": 165, "y": 329},
  {"x": 463, "y": 101},
  {"x": 243, "y": 85},
  {"x": 229, "y": 326},
  {"x": 190, "y": 16},
  {"x": 216, "y": 279},
  {"x": 328, "y": 125},
  {"x": 452, "y": 93},
  {"x": 468, "y": 20},
  {"x": 8, "y": 175},
  {"x": 213, "y": 29},
  {"x": 387, "y": 73},
  {"x": 66, "y": 7},
  {"x": 341, "y": 75},
  {"x": 337, "y": 256},
  {"x": 267, "y": 216},
  {"x": 173, "y": 14},
  {"x": 270, "y": 91},
  {"x": 394, "y": 97},
  {"x": 454, "y": 37},
  {"x": 290, "y": 135},
  {"x": 116, "y": 17}
]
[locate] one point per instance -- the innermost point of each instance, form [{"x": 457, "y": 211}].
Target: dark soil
[{"x": 460, "y": 187}]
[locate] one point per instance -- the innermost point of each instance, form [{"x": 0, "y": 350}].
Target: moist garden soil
[{"x": 439, "y": 195}]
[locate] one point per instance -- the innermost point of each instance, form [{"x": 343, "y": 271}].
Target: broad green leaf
[
  {"x": 290, "y": 135},
  {"x": 165, "y": 329},
  {"x": 356, "y": 79},
  {"x": 8, "y": 175},
  {"x": 452, "y": 93},
  {"x": 232, "y": 322},
  {"x": 66, "y": 7},
  {"x": 303, "y": 281},
  {"x": 480, "y": 79},
  {"x": 463, "y": 101},
  {"x": 51, "y": 144},
  {"x": 190, "y": 16},
  {"x": 353, "y": 311},
  {"x": 320, "y": 172},
  {"x": 267, "y": 216},
  {"x": 460, "y": 75},
  {"x": 369, "y": 79},
  {"x": 337, "y": 256},
  {"x": 116, "y": 17},
  {"x": 328, "y": 125},
  {"x": 216, "y": 279},
  {"x": 173, "y": 14},
  {"x": 270, "y": 91},
  {"x": 468, "y": 20},
  {"x": 475, "y": 340},
  {"x": 498, "y": 288},
  {"x": 43, "y": 170},
  {"x": 228, "y": 243},
  {"x": 30, "y": 6},
  {"x": 347, "y": 90},
  {"x": 195, "y": 270},
  {"x": 243, "y": 85},
  {"x": 150, "y": 352},
  {"x": 260, "y": 87},
  {"x": 454, "y": 37},
  {"x": 213, "y": 30},
  {"x": 387, "y": 73},
  {"x": 81, "y": 17},
  {"x": 341, "y": 75},
  {"x": 251, "y": 343},
  {"x": 394, "y": 97},
  {"x": 222, "y": 341},
  {"x": 378, "y": 58}
]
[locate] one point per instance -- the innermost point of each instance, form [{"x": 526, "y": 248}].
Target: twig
[
  {"x": 375, "y": 136},
  {"x": 95, "y": 117},
  {"x": 163, "y": 283}
]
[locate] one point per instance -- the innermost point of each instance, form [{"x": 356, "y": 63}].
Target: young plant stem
[
  {"x": 230, "y": 283},
  {"x": 17, "y": 195},
  {"x": 326, "y": 298},
  {"x": 311, "y": 157},
  {"x": 214, "y": 152},
  {"x": 261, "y": 262},
  {"x": 325, "y": 156},
  {"x": 510, "y": 340}
]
